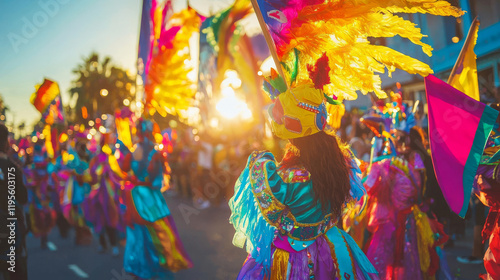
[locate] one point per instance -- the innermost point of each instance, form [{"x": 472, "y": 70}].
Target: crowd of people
[{"x": 93, "y": 182}]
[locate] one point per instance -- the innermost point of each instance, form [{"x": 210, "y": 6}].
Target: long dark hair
[{"x": 329, "y": 163}]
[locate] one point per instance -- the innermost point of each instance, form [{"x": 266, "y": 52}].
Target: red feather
[{"x": 319, "y": 74}]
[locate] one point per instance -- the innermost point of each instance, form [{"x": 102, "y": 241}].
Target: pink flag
[{"x": 459, "y": 127}]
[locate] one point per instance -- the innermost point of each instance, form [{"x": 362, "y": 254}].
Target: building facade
[{"x": 447, "y": 36}]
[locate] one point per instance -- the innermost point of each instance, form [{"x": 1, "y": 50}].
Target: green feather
[
  {"x": 331, "y": 100},
  {"x": 295, "y": 70},
  {"x": 278, "y": 83}
]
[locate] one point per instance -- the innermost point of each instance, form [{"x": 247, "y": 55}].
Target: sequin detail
[{"x": 277, "y": 214}]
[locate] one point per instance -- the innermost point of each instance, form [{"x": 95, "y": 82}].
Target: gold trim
[{"x": 275, "y": 204}]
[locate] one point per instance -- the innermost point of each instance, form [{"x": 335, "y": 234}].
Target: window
[
  {"x": 453, "y": 26},
  {"x": 488, "y": 11},
  {"x": 487, "y": 89}
]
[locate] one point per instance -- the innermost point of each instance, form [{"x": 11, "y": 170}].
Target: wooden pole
[{"x": 269, "y": 40}]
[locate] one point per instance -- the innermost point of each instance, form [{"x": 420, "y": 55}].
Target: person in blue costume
[
  {"x": 153, "y": 249},
  {"x": 286, "y": 212}
]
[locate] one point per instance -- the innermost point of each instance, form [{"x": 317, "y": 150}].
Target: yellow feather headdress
[{"x": 301, "y": 32}]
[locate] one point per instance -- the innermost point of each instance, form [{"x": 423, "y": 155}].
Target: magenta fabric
[
  {"x": 282, "y": 243},
  {"x": 317, "y": 257},
  {"x": 453, "y": 121}
]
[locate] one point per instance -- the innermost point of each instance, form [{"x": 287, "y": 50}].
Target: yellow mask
[{"x": 298, "y": 112}]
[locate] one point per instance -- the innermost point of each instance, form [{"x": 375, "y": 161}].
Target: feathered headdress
[
  {"x": 324, "y": 44},
  {"x": 384, "y": 119}
]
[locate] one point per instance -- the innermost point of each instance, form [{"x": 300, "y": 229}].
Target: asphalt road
[{"x": 207, "y": 237}]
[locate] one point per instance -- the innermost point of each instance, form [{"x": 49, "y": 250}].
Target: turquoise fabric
[
  {"x": 342, "y": 252},
  {"x": 488, "y": 119},
  {"x": 140, "y": 167},
  {"x": 251, "y": 227},
  {"x": 299, "y": 197},
  {"x": 140, "y": 253},
  {"x": 76, "y": 163},
  {"x": 360, "y": 257},
  {"x": 79, "y": 192},
  {"x": 150, "y": 203},
  {"x": 357, "y": 188}
]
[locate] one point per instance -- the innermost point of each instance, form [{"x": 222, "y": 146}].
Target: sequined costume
[
  {"x": 403, "y": 241},
  {"x": 287, "y": 234},
  {"x": 153, "y": 247}
]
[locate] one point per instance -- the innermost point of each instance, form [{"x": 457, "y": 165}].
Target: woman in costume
[
  {"x": 404, "y": 240},
  {"x": 153, "y": 249},
  {"x": 286, "y": 212},
  {"x": 42, "y": 216},
  {"x": 102, "y": 206}
]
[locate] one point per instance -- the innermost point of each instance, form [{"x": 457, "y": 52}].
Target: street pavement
[{"x": 207, "y": 237}]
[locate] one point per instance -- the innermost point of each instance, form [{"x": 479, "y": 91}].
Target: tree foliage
[{"x": 94, "y": 76}]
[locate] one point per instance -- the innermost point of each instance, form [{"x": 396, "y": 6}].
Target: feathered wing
[
  {"x": 341, "y": 29},
  {"x": 169, "y": 89}
]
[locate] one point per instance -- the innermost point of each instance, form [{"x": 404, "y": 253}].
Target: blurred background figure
[{"x": 8, "y": 169}]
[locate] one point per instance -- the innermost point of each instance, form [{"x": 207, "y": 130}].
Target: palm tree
[
  {"x": 20, "y": 128},
  {"x": 3, "y": 110},
  {"x": 99, "y": 87}
]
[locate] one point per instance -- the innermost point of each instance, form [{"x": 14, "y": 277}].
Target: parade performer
[
  {"x": 76, "y": 189},
  {"x": 42, "y": 215},
  {"x": 153, "y": 248},
  {"x": 286, "y": 212},
  {"x": 102, "y": 206},
  {"x": 404, "y": 240},
  {"x": 57, "y": 183}
]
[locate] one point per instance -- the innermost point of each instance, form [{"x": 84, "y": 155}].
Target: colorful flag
[
  {"x": 44, "y": 95},
  {"x": 146, "y": 37},
  {"x": 273, "y": 21},
  {"x": 459, "y": 127},
  {"x": 207, "y": 70},
  {"x": 463, "y": 76}
]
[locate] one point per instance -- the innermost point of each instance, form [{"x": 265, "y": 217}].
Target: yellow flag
[{"x": 463, "y": 76}]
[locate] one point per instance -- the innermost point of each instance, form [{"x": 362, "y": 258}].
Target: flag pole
[
  {"x": 468, "y": 41},
  {"x": 269, "y": 40}
]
